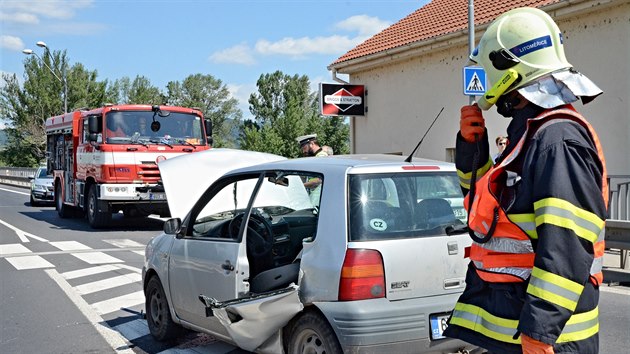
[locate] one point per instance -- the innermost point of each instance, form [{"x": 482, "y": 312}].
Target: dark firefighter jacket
[{"x": 557, "y": 185}]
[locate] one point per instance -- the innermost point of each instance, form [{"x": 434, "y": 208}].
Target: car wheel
[
  {"x": 312, "y": 334},
  {"x": 159, "y": 319},
  {"x": 62, "y": 209},
  {"x": 33, "y": 202},
  {"x": 96, "y": 218}
]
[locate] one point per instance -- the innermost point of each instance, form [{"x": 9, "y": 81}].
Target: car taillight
[{"x": 362, "y": 275}]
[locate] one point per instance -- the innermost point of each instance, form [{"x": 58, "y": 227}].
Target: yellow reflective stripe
[
  {"x": 554, "y": 288},
  {"x": 580, "y": 326},
  {"x": 561, "y": 213},
  {"x": 464, "y": 177},
  {"x": 479, "y": 320},
  {"x": 526, "y": 222}
]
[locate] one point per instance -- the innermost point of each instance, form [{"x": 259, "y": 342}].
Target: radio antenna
[{"x": 408, "y": 159}]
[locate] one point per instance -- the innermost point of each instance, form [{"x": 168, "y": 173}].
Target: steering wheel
[{"x": 259, "y": 233}]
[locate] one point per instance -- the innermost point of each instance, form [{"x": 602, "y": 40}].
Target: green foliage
[
  {"x": 285, "y": 108},
  {"x": 213, "y": 98}
]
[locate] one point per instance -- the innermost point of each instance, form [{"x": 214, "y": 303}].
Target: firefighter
[{"x": 537, "y": 216}]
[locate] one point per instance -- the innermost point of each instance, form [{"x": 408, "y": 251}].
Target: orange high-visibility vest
[{"x": 508, "y": 255}]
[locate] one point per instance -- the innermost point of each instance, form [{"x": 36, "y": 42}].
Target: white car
[
  {"x": 42, "y": 190},
  {"x": 375, "y": 264}
]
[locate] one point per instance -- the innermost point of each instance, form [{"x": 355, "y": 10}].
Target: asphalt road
[{"x": 66, "y": 288}]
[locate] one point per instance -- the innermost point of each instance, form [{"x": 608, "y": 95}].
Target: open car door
[
  {"x": 283, "y": 213},
  {"x": 254, "y": 322}
]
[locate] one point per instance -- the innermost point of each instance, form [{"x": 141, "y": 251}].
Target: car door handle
[{"x": 227, "y": 266}]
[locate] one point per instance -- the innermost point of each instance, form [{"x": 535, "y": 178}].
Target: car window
[
  {"x": 42, "y": 173},
  {"x": 213, "y": 220},
  {"x": 404, "y": 205},
  {"x": 286, "y": 211}
]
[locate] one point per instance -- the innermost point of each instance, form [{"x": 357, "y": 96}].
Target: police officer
[
  {"x": 537, "y": 216},
  {"x": 310, "y": 146}
]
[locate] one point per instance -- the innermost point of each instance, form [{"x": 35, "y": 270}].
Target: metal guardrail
[{"x": 17, "y": 176}]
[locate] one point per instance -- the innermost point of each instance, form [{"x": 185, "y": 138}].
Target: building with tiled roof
[{"x": 414, "y": 68}]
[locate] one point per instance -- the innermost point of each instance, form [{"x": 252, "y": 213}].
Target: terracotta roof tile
[{"x": 437, "y": 18}]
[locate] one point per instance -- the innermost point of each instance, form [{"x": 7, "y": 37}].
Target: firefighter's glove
[
  {"x": 532, "y": 346},
  {"x": 471, "y": 123}
]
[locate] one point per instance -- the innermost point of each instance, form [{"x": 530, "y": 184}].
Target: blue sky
[{"x": 167, "y": 40}]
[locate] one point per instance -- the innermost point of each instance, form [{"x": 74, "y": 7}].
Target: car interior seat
[
  {"x": 275, "y": 278},
  {"x": 434, "y": 212}
]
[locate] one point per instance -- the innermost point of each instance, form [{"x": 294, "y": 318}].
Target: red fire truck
[{"x": 105, "y": 160}]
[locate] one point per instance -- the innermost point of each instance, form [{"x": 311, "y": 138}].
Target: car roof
[{"x": 357, "y": 163}]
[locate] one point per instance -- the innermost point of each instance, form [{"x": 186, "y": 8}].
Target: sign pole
[{"x": 471, "y": 35}]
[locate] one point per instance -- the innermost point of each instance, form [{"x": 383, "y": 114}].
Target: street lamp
[{"x": 63, "y": 81}]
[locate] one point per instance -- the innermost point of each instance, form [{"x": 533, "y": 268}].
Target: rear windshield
[{"x": 404, "y": 205}]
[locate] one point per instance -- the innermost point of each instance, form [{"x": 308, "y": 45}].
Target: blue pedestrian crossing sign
[{"x": 474, "y": 81}]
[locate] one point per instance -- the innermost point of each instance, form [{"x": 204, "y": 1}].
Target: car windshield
[
  {"x": 145, "y": 127},
  {"x": 42, "y": 173},
  {"x": 404, "y": 205}
]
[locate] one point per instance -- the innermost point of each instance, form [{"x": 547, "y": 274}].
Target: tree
[
  {"x": 285, "y": 108},
  {"x": 213, "y": 98},
  {"x": 27, "y": 106}
]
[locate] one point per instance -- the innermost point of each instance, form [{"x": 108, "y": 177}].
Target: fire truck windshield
[{"x": 145, "y": 127}]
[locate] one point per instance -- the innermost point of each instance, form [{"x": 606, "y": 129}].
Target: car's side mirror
[
  {"x": 173, "y": 226},
  {"x": 31, "y": 177}
]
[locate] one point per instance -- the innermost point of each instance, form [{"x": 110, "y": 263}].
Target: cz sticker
[{"x": 378, "y": 224}]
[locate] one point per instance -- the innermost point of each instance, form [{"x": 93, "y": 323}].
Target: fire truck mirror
[
  {"x": 93, "y": 126},
  {"x": 208, "y": 123}
]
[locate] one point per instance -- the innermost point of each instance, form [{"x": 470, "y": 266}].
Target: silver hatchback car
[{"x": 367, "y": 259}]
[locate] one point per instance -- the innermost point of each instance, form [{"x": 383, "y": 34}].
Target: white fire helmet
[{"x": 526, "y": 41}]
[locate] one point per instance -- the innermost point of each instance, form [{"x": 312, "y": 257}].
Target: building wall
[{"x": 405, "y": 96}]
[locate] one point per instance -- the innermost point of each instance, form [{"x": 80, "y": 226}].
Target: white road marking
[
  {"x": 109, "y": 283},
  {"x": 12, "y": 191},
  {"x": 88, "y": 271},
  {"x": 133, "y": 329},
  {"x": 114, "y": 338},
  {"x": 133, "y": 269},
  {"x": 96, "y": 258},
  {"x": 23, "y": 235},
  {"x": 124, "y": 243},
  {"x": 120, "y": 302},
  {"x": 88, "y": 257},
  {"x": 13, "y": 248},
  {"x": 70, "y": 245},
  {"x": 29, "y": 262}
]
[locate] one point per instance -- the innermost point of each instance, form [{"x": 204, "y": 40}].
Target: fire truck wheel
[
  {"x": 61, "y": 208},
  {"x": 96, "y": 218}
]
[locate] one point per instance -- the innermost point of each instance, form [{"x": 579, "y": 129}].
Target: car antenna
[{"x": 408, "y": 159}]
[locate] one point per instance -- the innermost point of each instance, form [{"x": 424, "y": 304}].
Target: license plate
[
  {"x": 438, "y": 325},
  {"x": 460, "y": 213},
  {"x": 157, "y": 196}
]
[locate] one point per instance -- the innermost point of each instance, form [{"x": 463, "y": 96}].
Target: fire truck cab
[{"x": 105, "y": 160}]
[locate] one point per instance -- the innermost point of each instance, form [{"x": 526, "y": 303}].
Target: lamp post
[{"x": 61, "y": 79}]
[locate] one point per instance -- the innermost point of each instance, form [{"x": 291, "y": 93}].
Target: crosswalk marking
[
  {"x": 124, "y": 243},
  {"x": 96, "y": 258},
  {"x": 29, "y": 262},
  {"x": 88, "y": 271},
  {"x": 70, "y": 245},
  {"x": 109, "y": 283},
  {"x": 13, "y": 248},
  {"x": 120, "y": 302}
]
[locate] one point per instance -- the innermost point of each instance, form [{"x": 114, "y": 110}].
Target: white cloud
[
  {"x": 238, "y": 54},
  {"x": 300, "y": 47},
  {"x": 11, "y": 43},
  {"x": 19, "y": 17},
  {"x": 57, "y": 9},
  {"x": 366, "y": 26}
]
